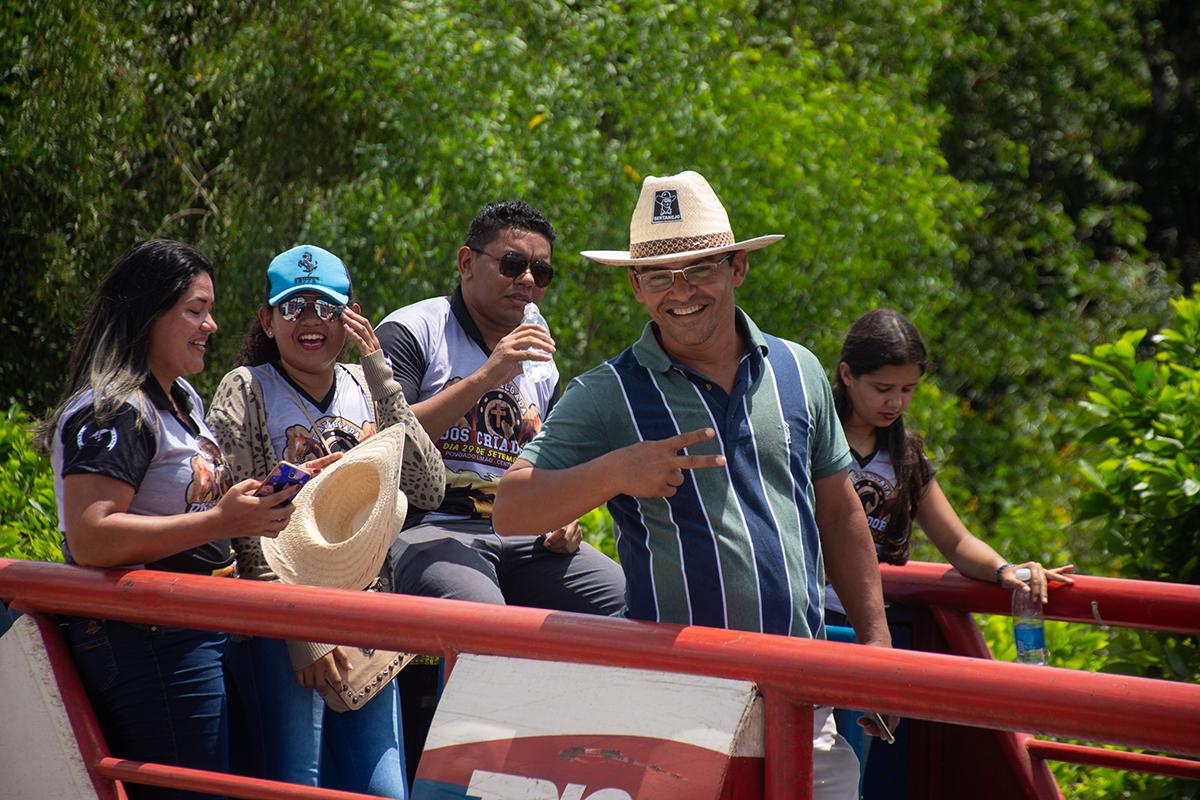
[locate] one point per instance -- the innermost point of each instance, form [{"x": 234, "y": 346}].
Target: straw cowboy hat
[
  {"x": 677, "y": 218},
  {"x": 345, "y": 518}
]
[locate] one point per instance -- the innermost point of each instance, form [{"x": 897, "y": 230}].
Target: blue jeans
[
  {"x": 158, "y": 693},
  {"x": 286, "y": 723}
]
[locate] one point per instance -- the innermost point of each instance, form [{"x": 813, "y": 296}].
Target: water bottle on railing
[
  {"x": 1029, "y": 626},
  {"x": 536, "y": 370}
]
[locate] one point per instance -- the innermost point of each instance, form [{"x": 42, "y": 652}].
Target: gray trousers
[{"x": 466, "y": 560}]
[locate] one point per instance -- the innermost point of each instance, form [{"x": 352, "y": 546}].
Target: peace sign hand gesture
[{"x": 654, "y": 468}]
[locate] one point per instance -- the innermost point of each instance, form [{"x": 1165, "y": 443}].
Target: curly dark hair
[
  {"x": 496, "y": 217},
  {"x": 882, "y": 338}
]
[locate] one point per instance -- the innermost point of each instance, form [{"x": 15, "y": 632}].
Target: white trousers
[{"x": 835, "y": 767}]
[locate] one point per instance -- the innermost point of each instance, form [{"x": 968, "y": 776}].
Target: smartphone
[
  {"x": 283, "y": 476},
  {"x": 887, "y": 732}
]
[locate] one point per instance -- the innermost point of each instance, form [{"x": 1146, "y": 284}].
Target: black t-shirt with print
[{"x": 173, "y": 464}]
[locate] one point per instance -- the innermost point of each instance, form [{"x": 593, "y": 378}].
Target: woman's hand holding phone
[
  {"x": 287, "y": 474},
  {"x": 242, "y": 512},
  {"x": 248, "y": 511}
]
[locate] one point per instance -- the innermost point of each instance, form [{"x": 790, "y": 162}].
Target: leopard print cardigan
[{"x": 238, "y": 419}]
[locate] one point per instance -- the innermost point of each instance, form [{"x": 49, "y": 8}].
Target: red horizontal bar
[
  {"x": 1117, "y": 759},
  {"x": 1150, "y": 605},
  {"x": 1118, "y": 709},
  {"x": 216, "y": 783}
]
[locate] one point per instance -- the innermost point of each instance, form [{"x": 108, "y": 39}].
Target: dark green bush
[{"x": 1142, "y": 469}]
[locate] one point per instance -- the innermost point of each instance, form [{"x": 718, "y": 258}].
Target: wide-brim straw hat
[
  {"x": 677, "y": 218},
  {"x": 345, "y": 518}
]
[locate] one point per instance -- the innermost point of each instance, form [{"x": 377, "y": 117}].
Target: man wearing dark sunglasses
[{"x": 459, "y": 359}]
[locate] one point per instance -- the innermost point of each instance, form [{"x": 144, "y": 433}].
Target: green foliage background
[{"x": 1018, "y": 176}]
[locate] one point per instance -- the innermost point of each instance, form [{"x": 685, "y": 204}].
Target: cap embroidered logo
[
  {"x": 306, "y": 263},
  {"x": 666, "y": 206}
]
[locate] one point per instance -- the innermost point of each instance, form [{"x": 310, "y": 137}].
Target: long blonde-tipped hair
[{"x": 111, "y": 349}]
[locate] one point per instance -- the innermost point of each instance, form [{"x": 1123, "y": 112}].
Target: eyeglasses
[
  {"x": 293, "y": 308},
  {"x": 513, "y": 265},
  {"x": 660, "y": 280}
]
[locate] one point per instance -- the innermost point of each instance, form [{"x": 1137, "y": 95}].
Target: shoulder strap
[{"x": 356, "y": 371}]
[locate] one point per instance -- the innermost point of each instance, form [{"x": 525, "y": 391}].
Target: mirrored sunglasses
[
  {"x": 293, "y": 308},
  {"x": 513, "y": 266}
]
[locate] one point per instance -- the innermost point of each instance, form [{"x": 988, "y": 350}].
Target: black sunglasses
[{"x": 513, "y": 265}]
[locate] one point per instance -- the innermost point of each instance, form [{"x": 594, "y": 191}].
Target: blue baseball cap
[{"x": 306, "y": 268}]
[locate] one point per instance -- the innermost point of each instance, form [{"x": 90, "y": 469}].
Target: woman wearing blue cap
[{"x": 290, "y": 399}]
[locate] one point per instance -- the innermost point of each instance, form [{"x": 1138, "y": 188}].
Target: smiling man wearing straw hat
[{"x": 738, "y": 532}]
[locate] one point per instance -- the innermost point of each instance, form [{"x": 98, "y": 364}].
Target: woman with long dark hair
[
  {"x": 139, "y": 481},
  {"x": 883, "y": 359}
]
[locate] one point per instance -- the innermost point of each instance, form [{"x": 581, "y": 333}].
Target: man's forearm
[
  {"x": 861, "y": 594},
  {"x": 531, "y": 500},
  {"x": 850, "y": 559},
  {"x": 437, "y": 413}
]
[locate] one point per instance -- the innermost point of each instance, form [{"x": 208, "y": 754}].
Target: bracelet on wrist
[{"x": 1000, "y": 572}]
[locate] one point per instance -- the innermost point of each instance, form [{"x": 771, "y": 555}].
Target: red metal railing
[
  {"x": 1173, "y": 607},
  {"x": 1170, "y": 607},
  {"x": 791, "y": 673}
]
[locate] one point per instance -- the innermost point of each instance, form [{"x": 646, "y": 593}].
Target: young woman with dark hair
[
  {"x": 883, "y": 359},
  {"x": 290, "y": 399},
  {"x": 139, "y": 481}
]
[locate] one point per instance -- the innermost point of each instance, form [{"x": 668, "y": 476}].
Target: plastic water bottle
[
  {"x": 1029, "y": 626},
  {"x": 536, "y": 370}
]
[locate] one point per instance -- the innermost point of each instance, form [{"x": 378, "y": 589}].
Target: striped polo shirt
[{"x": 737, "y": 546}]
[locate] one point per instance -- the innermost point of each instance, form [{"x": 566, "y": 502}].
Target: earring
[{"x": 270, "y": 333}]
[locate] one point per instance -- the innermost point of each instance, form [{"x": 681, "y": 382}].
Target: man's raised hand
[
  {"x": 655, "y": 468},
  {"x": 516, "y": 346}
]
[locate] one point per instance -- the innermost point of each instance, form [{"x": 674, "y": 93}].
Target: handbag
[{"x": 370, "y": 671}]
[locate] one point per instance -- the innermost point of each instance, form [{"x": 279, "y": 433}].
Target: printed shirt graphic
[
  {"x": 874, "y": 479},
  {"x": 342, "y": 419},
  {"x": 736, "y": 547},
  {"x": 479, "y": 446},
  {"x": 172, "y": 469}
]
